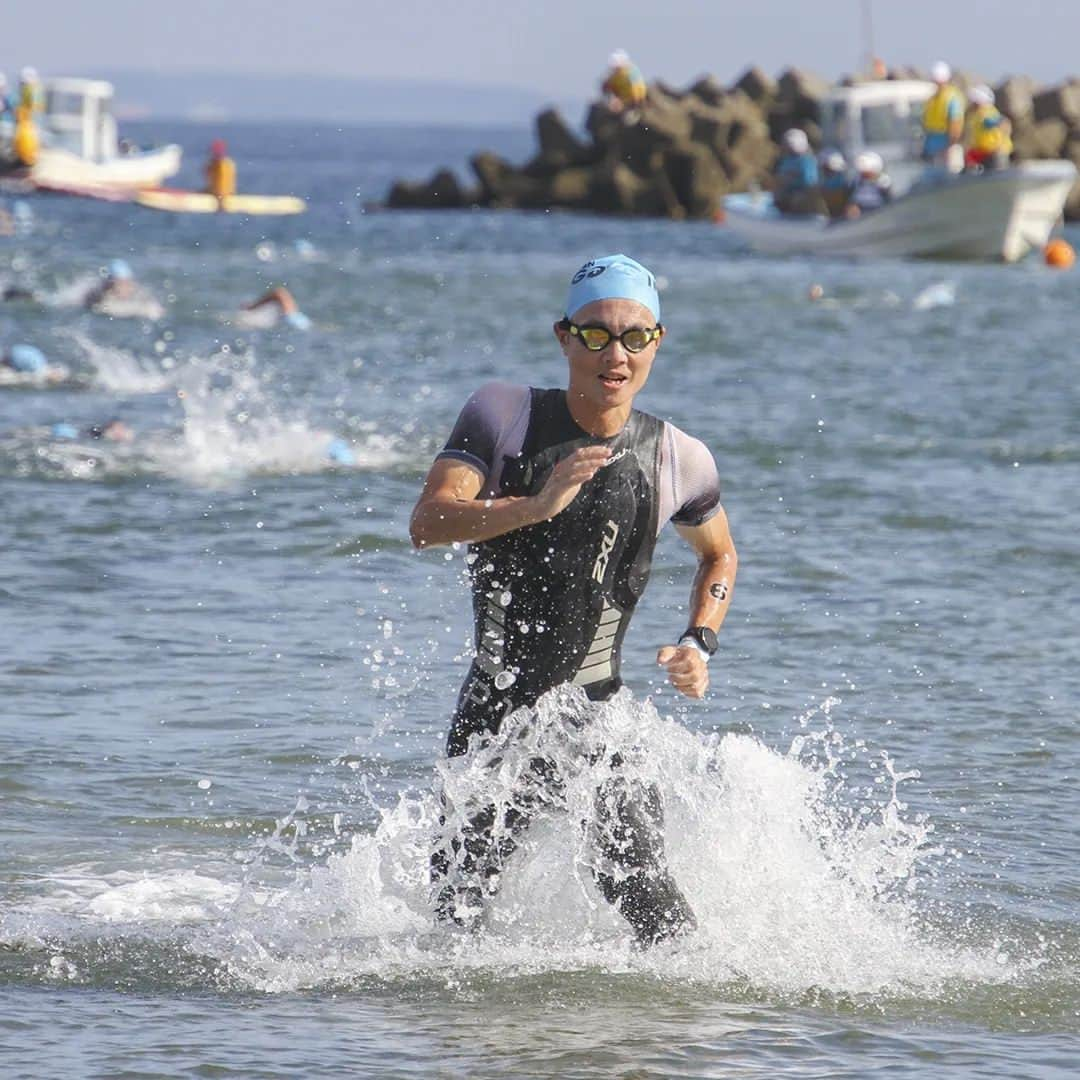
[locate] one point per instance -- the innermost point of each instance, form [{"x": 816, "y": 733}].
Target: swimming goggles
[{"x": 598, "y": 338}]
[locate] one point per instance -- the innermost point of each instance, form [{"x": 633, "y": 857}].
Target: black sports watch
[{"x": 701, "y": 636}]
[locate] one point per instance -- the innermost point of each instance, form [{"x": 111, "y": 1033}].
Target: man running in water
[{"x": 561, "y": 495}]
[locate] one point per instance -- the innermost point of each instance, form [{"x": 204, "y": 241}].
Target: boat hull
[
  {"x": 61, "y": 170},
  {"x": 996, "y": 216}
]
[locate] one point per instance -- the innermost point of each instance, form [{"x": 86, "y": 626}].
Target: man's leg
[
  {"x": 634, "y": 877},
  {"x": 466, "y": 866}
]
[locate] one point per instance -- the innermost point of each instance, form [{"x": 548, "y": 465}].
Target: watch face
[{"x": 708, "y": 638}]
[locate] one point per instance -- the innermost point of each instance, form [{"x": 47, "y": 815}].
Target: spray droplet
[
  {"x": 206, "y": 784},
  {"x": 504, "y": 680}
]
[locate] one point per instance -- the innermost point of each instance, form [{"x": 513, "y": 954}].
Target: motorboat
[
  {"x": 994, "y": 215},
  {"x": 80, "y": 152}
]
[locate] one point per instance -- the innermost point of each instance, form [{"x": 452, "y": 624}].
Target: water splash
[
  {"x": 797, "y": 889},
  {"x": 120, "y": 371},
  {"x": 939, "y": 294}
]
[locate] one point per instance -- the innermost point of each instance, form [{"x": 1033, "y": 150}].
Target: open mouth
[{"x": 613, "y": 381}]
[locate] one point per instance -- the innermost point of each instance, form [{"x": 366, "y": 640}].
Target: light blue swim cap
[
  {"x": 612, "y": 277},
  {"x": 64, "y": 431},
  {"x": 340, "y": 453},
  {"x": 27, "y": 358},
  {"x": 120, "y": 271},
  {"x": 298, "y": 320}
]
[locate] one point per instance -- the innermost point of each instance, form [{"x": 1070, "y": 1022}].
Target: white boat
[
  {"x": 79, "y": 148},
  {"x": 996, "y": 215}
]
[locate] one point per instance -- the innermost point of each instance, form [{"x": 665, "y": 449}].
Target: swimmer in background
[
  {"x": 112, "y": 430},
  {"x": 27, "y": 363},
  {"x": 121, "y": 296},
  {"x": 277, "y": 304},
  {"x": 220, "y": 172},
  {"x": 115, "y": 430}
]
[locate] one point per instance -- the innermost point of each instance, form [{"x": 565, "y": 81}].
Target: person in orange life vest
[{"x": 220, "y": 172}]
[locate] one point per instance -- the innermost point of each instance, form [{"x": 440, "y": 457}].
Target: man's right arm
[{"x": 448, "y": 510}]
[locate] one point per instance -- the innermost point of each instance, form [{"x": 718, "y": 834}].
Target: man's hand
[
  {"x": 686, "y": 669},
  {"x": 566, "y": 479}
]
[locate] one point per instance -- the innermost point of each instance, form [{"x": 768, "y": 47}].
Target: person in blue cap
[
  {"x": 560, "y": 494},
  {"x": 118, "y": 284},
  {"x": 281, "y": 301},
  {"x": 30, "y": 362}
]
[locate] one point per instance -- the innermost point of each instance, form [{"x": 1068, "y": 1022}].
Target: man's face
[{"x": 611, "y": 377}]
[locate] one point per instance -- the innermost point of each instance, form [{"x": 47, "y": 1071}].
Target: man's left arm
[{"x": 710, "y": 597}]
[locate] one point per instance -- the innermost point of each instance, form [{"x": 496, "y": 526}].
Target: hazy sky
[{"x": 557, "y": 47}]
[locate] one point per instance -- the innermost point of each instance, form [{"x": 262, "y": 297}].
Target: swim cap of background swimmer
[
  {"x": 340, "y": 453},
  {"x": 27, "y": 358},
  {"x": 612, "y": 277},
  {"x": 64, "y": 431},
  {"x": 120, "y": 271}
]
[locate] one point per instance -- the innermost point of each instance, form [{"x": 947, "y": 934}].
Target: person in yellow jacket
[
  {"x": 989, "y": 134},
  {"x": 943, "y": 121},
  {"x": 624, "y": 85},
  {"x": 25, "y": 142},
  {"x": 220, "y": 172}
]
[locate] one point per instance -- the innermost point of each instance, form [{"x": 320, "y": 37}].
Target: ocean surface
[{"x": 225, "y": 676}]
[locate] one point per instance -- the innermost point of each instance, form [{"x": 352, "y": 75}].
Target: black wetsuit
[{"x": 552, "y": 603}]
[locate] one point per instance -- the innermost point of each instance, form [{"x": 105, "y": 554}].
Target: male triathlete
[{"x": 561, "y": 494}]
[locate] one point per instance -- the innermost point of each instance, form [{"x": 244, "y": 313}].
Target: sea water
[{"x": 226, "y": 678}]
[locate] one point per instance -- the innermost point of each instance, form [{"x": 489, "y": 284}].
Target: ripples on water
[{"x": 226, "y": 678}]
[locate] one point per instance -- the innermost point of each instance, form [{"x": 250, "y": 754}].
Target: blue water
[{"x": 225, "y": 677}]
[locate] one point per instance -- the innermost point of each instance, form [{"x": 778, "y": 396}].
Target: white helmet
[
  {"x": 28, "y": 74},
  {"x": 869, "y": 162},
  {"x": 833, "y": 160},
  {"x": 981, "y": 95},
  {"x": 618, "y": 59},
  {"x": 941, "y": 72},
  {"x": 796, "y": 141}
]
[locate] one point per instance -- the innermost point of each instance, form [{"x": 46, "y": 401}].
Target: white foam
[
  {"x": 939, "y": 294},
  {"x": 795, "y": 890},
  {"x": 118, "y": 370}
]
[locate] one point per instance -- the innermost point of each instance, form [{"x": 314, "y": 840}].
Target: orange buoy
[{"x": 1059, "y": 254}]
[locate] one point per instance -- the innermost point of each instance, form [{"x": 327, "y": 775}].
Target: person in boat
[
  {"x": 835, "y": 185},
  {"x": 284, "y": 304},
  {"x": 943, "y": 120},
  {"x": 25, "y": 142},
  {"x": 7, "y": 106},
  {"x": 989, "y": 133},
  {"x": 220, "y": 171},
  {"x": 872, "y": 188},
  {"x": 795, "y": 177},
  {"x": 560, "y": 494},
  {"x": 624, "y": 86}
]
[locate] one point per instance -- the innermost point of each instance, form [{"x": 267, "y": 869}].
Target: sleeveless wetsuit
[
  {"x": 552, "y": 601},
  {"x": 551, "y": 604}
]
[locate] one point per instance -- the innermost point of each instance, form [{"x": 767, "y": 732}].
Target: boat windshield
[
  {"x": 886, "y": 124},
  {"x": 61, "y": 103}
]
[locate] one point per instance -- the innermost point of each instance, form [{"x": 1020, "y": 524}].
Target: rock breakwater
[{"x": 685, "y": 149}]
